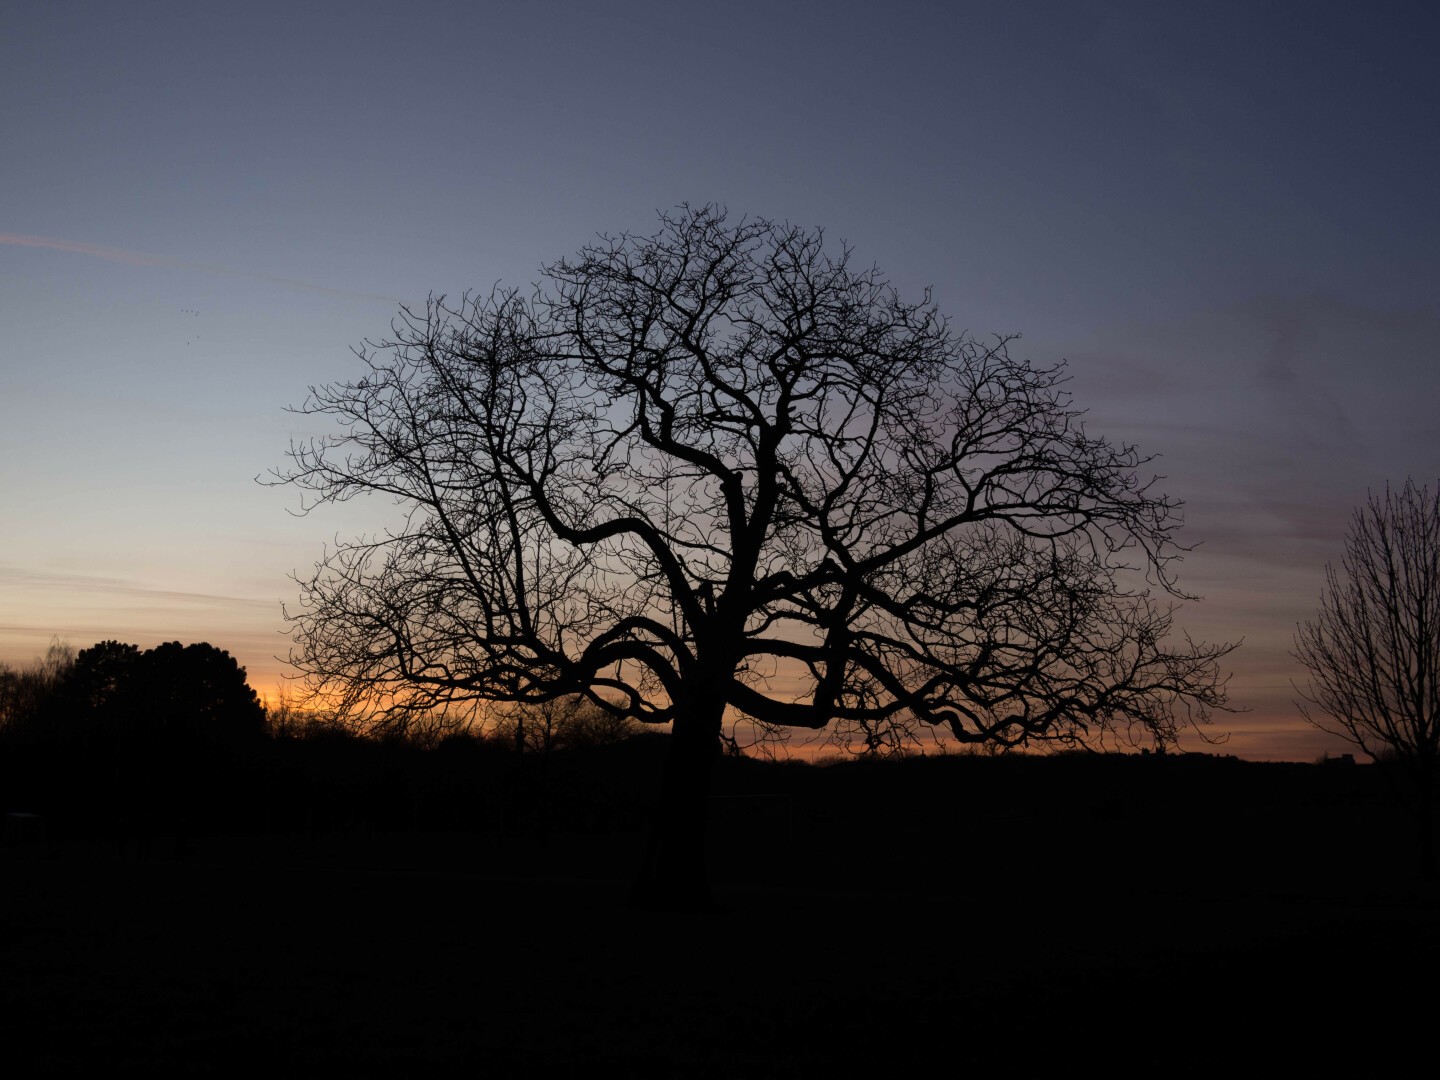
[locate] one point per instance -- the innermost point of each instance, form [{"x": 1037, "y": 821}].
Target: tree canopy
[{"x": 173, "y": 695}]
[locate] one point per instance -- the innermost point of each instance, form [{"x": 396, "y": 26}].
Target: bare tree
[
  {"x": 29, "y": 695},
  {"x": 559, "y": 724},
  {"x": 722, "y": 468},
  {"x": 1373, "y": 651}
]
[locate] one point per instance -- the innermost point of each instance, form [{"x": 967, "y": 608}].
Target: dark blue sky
[{"x": 1222, "y": 214}]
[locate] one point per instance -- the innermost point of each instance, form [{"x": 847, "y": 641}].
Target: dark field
[{"x": 1014, "y": 917}]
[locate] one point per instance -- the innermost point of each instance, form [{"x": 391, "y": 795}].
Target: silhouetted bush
[{"x": 123, "y": 741}]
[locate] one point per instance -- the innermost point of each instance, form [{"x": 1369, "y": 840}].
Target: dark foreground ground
[{"x": 1038, "y": 931}]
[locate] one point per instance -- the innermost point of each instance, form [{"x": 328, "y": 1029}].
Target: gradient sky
[{"x": 1223, "y": 215}]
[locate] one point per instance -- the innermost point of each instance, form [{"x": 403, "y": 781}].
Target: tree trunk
[
  {"x": 672, "y": 874},
  {"x": 1425, "y": 822}
]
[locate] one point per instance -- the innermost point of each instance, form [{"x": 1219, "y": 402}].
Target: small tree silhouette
[
  {"x": 1373, "y": 651},
  {"x": 29, "y": 696}
]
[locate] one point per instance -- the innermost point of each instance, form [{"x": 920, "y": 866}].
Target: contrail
[
  {"x": 133, "y": 258},
  {"x": 140, "y": 258}
]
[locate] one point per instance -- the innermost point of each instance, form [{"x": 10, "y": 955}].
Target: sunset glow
[{"x": 1233, "y": 249}]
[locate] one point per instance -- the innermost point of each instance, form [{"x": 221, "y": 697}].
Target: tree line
[{"x": 118, "y": 743}]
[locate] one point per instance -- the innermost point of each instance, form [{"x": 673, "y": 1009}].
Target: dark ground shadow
[{"x": 1085, "y": 943}]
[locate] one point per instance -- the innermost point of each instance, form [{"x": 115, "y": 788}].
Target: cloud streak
[
  {"x": 19, "y": 577},
  {"x": 140, "y": 258}
]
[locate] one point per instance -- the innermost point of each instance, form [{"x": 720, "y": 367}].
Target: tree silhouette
[
  {"x": 29, "y": 696},
  {"x": 183, "y": 698},
  {"x": 722, "y": 468},
  {"x": 197, "y": 697},
  {"x": 1373, "y": 651},
  {"x": 103, "y": 696},
  {"x": 559, "y": 724},
  {"x": 116, "y": 737}
]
